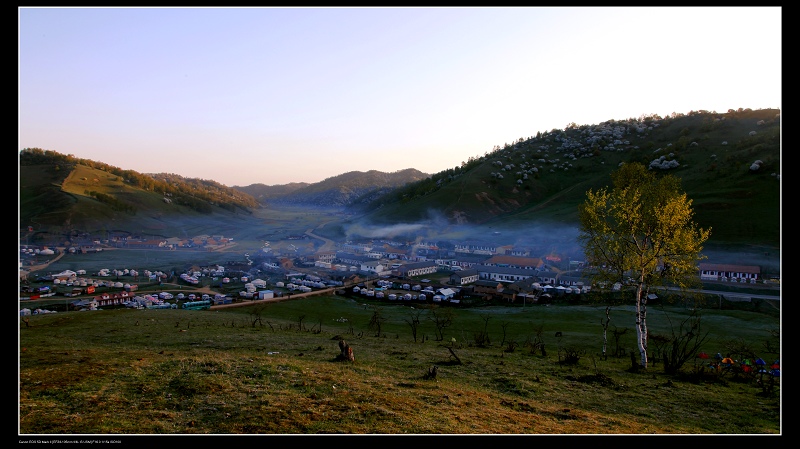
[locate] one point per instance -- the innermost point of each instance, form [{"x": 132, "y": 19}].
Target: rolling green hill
[
  {"x": 545, "y": 177},
  {"x": 62, "y": 196}
]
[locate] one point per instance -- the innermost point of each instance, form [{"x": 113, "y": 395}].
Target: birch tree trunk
[
  {"x": 605, "y": 331},
  {"x": 641, "y": 324}
]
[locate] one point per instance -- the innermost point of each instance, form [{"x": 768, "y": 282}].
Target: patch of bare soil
[
  {"x": 459, "y": 217},
  {"x": 484, "y": 196}
]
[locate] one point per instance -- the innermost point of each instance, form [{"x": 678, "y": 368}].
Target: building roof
[
  {"x": 507, "y": 270},
  {"x": 730, "y": 267},
  {"x": 518, "y": 261},
  {"x": 465, "y": 273}
]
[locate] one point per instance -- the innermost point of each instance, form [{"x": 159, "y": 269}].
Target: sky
[{"x": 274, "y": 96}]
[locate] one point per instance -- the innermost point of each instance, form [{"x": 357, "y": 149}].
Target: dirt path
[
  {"x": 329, "y": 244},
  {"x": 293, "y": 296},
  {"x": 24, "y": 273},
  {"x": 190, "y": 289}
]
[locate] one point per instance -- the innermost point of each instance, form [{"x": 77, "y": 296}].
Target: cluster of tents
[{"x": 755, "y": 366}]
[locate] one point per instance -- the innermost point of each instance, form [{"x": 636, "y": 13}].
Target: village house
[
  {"x": 515, "y": 251},
  {"x": 488, "y": 289},
  {"x": 495, "y": 273},
  {"x": 466, "y": 261},
  {"x": 373, "y": 266},
  {"x": 356, "y": 248},
  {"x": 547, "y": 277},
  {"x": 526, "y": 286},
  {"x": 89, "y": 303},
  {"x": 423, "y": 251},
  {"x": 352, "y": 258},
  {"x": 111, "y": 298},
  {"x": 729, "y": 273},
  {"x": 472, "y": 247},
  {"x": 446, "y": 293},
  {"x": 374, "y": 255},
  {"x": 394, "y": 252},
  {"x": 528, "y": 263},
  {"x": 325, "y": 256},
  {"x": 573, "y": 279},
  {"x": 464, "y": 277},
  {"x": 416, "y": 269}
]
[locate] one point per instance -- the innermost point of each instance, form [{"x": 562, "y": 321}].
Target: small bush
[{"x": 570, "y": 355}]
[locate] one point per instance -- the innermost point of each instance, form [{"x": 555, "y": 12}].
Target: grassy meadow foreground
[{"x": 273, "y": 369}]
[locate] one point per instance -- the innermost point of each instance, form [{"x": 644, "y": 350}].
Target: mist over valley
[{"x": 522, "y": 196}]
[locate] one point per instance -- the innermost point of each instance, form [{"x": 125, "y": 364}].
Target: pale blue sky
[{"x": 278, "y": 95}]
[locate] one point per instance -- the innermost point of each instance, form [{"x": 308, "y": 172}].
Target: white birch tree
[{"x": 641, "y": 232}]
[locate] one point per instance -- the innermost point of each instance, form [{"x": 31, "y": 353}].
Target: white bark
[
  {"x": 641, "y": 324},
  {"x": 605, "y": 330}
]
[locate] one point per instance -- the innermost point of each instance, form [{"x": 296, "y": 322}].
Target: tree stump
[
  {"x": 432, "y": 371},
  {"x": 346, "y": 352}
]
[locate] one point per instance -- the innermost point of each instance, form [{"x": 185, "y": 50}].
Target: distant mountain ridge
[
  {"x": 264, "y": 193},
  {"x": 347, "y": 189}
]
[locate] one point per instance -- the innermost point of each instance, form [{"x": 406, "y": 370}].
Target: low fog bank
[{"x": 541, "y": 240}]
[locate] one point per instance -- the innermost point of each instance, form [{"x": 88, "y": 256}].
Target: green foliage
[
  {"x": 642, "y": 228},
  {"x": 115, "y": 203}
]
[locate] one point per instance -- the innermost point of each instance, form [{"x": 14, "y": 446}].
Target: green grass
[{"x": 225, "y": 371}]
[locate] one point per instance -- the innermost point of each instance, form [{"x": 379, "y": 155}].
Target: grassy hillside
[
  {"x": 544, "y": 178},
  {"x": 58, "y": 205},
  {"x": 62, "y": 197},
  {"x": 273, "y": 369}
]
